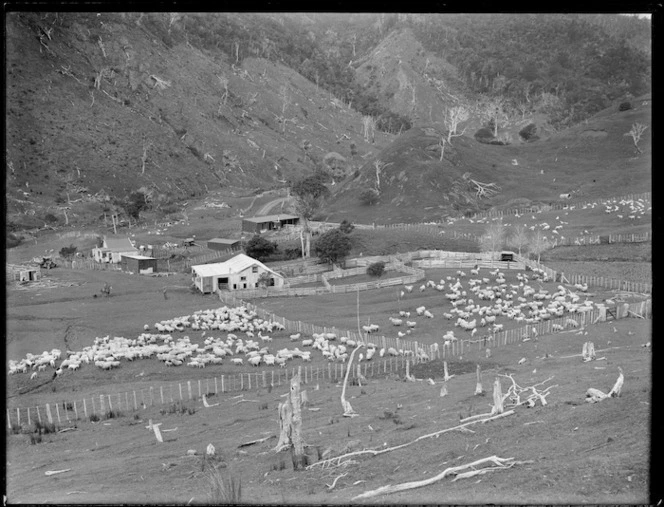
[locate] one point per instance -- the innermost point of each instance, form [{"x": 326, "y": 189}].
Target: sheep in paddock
[
  {"x": 475, "y": 271},
  {"x": 409, "y": 288},
  {"x": 396, "y": 322},
  {"x": 428, "y": 314},
  {"x": 371, "y": 328},
  {"x": 255, "y": 361},
  {"x": 307, "y": 343},
  {"x": 237, "y": 361},
  {"x": 410, "y": 323},
  {"x": 392, "y": 351},
  {"x": 423, "y": 288},
  {"x": 571, "y": 323},
  {"x": 448, "y": 316},
  {"x": 420, "y": 310},
  {"x": 401, "y": 334},
  {"x": 404, "y": 313}
]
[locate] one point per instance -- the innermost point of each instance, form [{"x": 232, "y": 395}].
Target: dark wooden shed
[
  {"x": 222, "y": 244},
  {"x": 138, "y": 264}
]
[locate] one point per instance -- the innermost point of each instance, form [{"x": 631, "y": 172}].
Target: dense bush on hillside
[
  {"x": 369, "y": 197},
  {"x": 625, "y": 106},
  {"x": 581, "y": 60}
]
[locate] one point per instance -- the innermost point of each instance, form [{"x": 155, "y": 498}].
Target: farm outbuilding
[
  {"x": 138, "y": 264},
  {"x": 113, "y": 249},
  {"x": 268, "y": 222},
  {"x": 237, "y": 273},
  {"x": 18, "y": 273},
  {"x": 222, "y": 244},
  {"x": 507, "y": 256}
]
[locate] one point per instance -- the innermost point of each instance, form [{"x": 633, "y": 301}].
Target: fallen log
[
  {"x": 377, "y": 452},
  {"x": 499, "y": 464}
]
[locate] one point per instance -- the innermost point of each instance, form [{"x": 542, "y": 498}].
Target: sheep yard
[{"x": 569, "y": 451}]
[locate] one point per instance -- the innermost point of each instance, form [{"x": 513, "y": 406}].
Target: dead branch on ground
[
  {"x": 374, "y": 452},
  {"x": 498, "y": 464}
]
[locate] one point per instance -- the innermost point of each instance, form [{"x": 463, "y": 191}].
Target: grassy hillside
[
  {"x": 98, "y": 105},
  {"x": 589, "y": 160}
]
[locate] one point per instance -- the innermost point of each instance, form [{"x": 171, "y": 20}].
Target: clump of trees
[
  {"x": 68, "y": 252},
  {"x": 333, "y": 247},
  {"x": 260, "y": 248},
  {"x": 346, "y": 227},
  {"x": 369, "y": 197},
  {"x": 310, "y": 194}
]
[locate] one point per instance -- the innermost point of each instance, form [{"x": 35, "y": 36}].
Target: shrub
[
  {"x": 529, "y": 132},
  {"x": 625, "y": 106},
  {"x": 346, "y": 227},
  {"x": 484, "y": 135},
  {"x": 50, "y": 218},
  {"x": 112, "y": 414},
  {"x": 94, "y": 418},
  {"x": 67, "y": 252},
  {"x": 376, "y": 269},
  {"x": 293, "y": 252},
  {"x": 369, "y": 197}
]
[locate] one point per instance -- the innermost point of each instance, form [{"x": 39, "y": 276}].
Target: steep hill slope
[
  {"x": 98, "y": 105},
  {"x": 410, "y": 80},
  {"x": 593, "y": 159}
]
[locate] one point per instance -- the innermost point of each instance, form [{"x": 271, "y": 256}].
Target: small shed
[
  {"x": 237, "y": 273},
  {"x": 19, "y": 273},
  {"x": 257, "y": 225},
  {"x": 138, "y": 264},
  {"x": 113, "y": 249},
  {"x": 222, "y": 244},
  {"x": 507, "y": 256}
]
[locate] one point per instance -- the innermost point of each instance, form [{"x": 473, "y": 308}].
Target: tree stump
[{"x": 478, "y": 388}]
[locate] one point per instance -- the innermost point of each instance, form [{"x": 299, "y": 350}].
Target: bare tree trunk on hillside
[
  {"x": 369, "y": 124},
  {"x": 144, "y": 157},
  {"x": 285, "y": 101},
  {"x": 453, "y": 117},
  {"x": 636, "y": 133}
]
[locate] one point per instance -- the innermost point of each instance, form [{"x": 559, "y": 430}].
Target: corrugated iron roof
[
  {"x": 232, "y": 266},
  {"x": 224, "y": 241},
  {"x": 119, "y": 244},
  {"x": 270, "y": 218}
]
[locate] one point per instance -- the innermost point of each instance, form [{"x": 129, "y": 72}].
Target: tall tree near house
[
  {"x": 493, "y": 238},
  {"x": 309, "y": 193},
  {"x": 518, "y": 238},
  {"x": 539, "y": 243}
]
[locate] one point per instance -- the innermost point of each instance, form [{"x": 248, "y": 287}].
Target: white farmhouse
[
  {"x": 239, "y": 272},
  {"x": 113, "y": 249}
]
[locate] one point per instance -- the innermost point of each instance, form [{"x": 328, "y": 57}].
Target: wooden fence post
[
  {"x": 222, "y": 384},
  {"x": 135, "y": 402},
  {"x": 57, "y": 411},
  {"x": 189, "y": 389},
  {"x": 18, "y": 415},
  {"x": 161, "y": 393},
  {"x": 49, "y": 416},
  {"x": 85, "y": 409}
]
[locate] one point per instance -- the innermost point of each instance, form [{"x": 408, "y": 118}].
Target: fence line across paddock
[
  {"x": 68, "y": 411},
  {"x": 132, "y": 401}
]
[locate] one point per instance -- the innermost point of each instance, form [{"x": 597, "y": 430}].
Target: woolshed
[
  {"x": 268, "y": 222},
  {"x": 113, "y": 249},
  {"x": 221, "y": 244},
  {"x": 138, "y": 264},
  {"x": 237, "y": 273}
]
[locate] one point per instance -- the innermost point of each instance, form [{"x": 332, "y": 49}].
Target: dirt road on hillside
[{"x": 282, "y": 202}]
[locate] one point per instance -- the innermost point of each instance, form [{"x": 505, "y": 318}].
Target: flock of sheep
[
  {"x": 475, "y": 302},
  {"x": 624, "y": 209}
]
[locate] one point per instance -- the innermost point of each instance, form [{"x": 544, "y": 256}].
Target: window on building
[
  {"x": 254, "y": 269},
  {"x": 243, "y": 278},
  {"x": 271, "y": 282}
]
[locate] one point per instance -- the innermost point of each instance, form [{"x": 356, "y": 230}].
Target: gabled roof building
[{"x": 237, "y": 273}]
